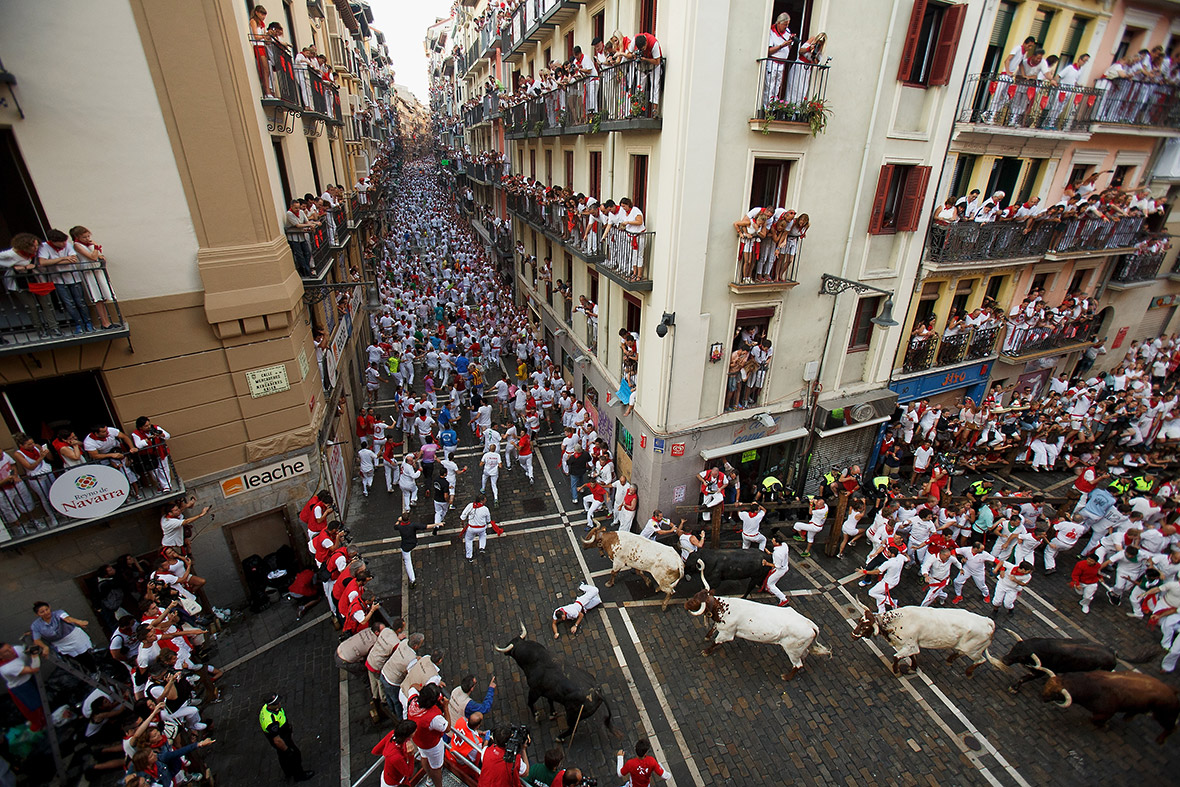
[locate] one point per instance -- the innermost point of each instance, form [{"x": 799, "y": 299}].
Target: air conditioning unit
[
  {"x": 863, "y": 412},
  {"x": 315, "y": 9}
]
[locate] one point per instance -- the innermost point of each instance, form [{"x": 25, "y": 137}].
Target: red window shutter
[
  {"x": 877, "y": 217},
  {"x": 948, "y": 43},
  {"x": 913, "y": 33},
  {"x": 913, "y": 194}
]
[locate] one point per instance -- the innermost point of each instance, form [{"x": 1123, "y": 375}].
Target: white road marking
[
  {"x": 345, "y": 741},
  {"x": 657, "y": 747},
  {"x": 276, "y": 642}
]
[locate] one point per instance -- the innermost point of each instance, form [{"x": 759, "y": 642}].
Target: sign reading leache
[
  {"x": 268, "y": 380},
  {"x": 265, "y": 476},
  {"x": 89, "y": 491}
]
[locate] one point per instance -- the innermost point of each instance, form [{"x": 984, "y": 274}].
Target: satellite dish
[{"x": 863, "y": 412}]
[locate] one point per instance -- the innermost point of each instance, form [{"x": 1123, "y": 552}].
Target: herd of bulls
[{"x": 1075, "y": 671}]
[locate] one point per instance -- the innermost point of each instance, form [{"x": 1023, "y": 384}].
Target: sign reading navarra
[
  {"x": 265, "y": 476},
  {"x": 89, "y": 491}
]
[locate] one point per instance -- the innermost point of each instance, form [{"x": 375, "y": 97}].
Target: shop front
[{"x": 945, "y": 385}]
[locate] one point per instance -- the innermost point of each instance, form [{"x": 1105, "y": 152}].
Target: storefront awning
[
  {"x": 750, "y": 445},
  {"x": 850, "y": 427}
]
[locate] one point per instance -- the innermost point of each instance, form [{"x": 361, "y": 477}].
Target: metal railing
[
  {"x": 631, "y": 91},
  {"x": 39, "y": 307},
  {"x": 972, "y": 344},
  {"x": 27, "y": 513},
  {"x": 790, "y": 90},
  {"x": 1007, "y": 100},
  {"x": 1141, "y": 266},
  {"x": 553, "y": 219},
  {"x": 1131, "y": 102},
  {"x": 1024, "y": 340},
  {"x": 629, "y": 254},
  {"x": 966, "y": 241},
  {"x": 783, "y": 269},
  {"x": 276, "y": 72}
]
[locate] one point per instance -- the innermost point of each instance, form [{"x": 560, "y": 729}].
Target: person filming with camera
[
  {"x": 505, "y": 759},
  {"x": 428, "y": 709}
]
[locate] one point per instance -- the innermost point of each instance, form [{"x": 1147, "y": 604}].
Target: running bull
[
  {"x": 574, "y": 689},
  {"x": 730, "y": 564},
  {"x": 1106, "y": 693},
  {"x": 627, "y": 550},
  {"x": 909, "y": 629}
]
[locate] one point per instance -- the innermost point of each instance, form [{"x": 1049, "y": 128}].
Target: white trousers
[
  {"x": 880, "y": 592},
  {"x": 440, "y": 511},
  {"x": 758, "y": 541},
  {"x": 626, "y": 520},
  {"x": 408, "y": 564},
  {"x": 366, "y": 481},
  {"x": 934, "y": 592},
  {"x": 772, "y": 582},
  {"x": 1087, "y": 592},
  {"x": 980, "y": 581},
  {"x": 1051, "y": 549},
  {"x": 808, "y": 528},
  {"x": 592, "y": 506},
  {"x": 494, "y": 480},
  {"x": 526, "y": 462},
  {"x": 469, "y": 538},
  {"x": 1005, "y": 596}
]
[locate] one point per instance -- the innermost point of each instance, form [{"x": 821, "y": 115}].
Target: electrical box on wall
[{"x": 810, "y": 371}]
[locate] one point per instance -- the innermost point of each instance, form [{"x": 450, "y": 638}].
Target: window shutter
[
  {"x": 948, "y": 43},
  {"x": 913, "y": 33},
  {"x": 878, "y": 214},
  {"x": 912, "y": 196}
]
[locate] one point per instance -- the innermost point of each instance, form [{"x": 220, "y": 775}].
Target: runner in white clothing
[
  {"x": 577, "y": 609},
  {"x": 476, "y": 517},
  {"x": 751, "y": 523},
  {"x": 974, "y": 562},
  {"x": 779, "y": 565},
  {"x": 936, "y": 570}
]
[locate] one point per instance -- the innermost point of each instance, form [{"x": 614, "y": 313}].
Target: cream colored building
[
  {"x": 154, "y": 129},
  {"x": 1031, "y": 142},
  {"x": 695, "y": 158}
]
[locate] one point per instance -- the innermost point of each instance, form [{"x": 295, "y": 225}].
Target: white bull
[
  {"x": 743, "y": 619},
  {"x": 627, "y": 550},
  {"x": 909, "y": 629}
]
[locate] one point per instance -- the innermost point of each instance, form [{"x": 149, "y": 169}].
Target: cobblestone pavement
[{"x": 725, "y": 719}]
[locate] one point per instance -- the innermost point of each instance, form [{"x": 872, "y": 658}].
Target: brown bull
[{"x": 1106, "y": 693}]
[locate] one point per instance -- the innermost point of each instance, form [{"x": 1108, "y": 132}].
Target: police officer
[
  {"x": 980, "y": 489},
  {"x": 273, "y": 720},
  {"x": 1120, "y": 486},
  {"x": 771, "y": 491},
  {"x": 1143, "y": 482}
]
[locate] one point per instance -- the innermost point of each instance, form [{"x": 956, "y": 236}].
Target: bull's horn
[
  {"x": 701, "y": 568},
  {"x": 1036, "y": 664},
  {"x": 699, "y": 612},
  {"x": 588, "y": 539},
  {"x": 1068, "y": 699},
  {"x": 1013, "y": 633},
  {"x": 508, "y": 649},
  {"x": 523, "y": 633}
]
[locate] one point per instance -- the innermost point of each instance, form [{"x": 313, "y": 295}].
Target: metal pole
[{"x": 50, "y": 730}]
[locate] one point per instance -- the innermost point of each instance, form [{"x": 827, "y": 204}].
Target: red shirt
[
  {"x": 640, "y": 770},
  {"x": 399, "y": 765},
  {"x": 424, "y": 737},
  {"x": 1084, "y": 573},
  {"x": 525, "y": 446}
]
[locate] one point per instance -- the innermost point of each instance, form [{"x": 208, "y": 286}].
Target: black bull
[
  {"x": 1058, "y": 655},
  {"x": 730, "y": 564},
  {"x": 571, "y": 687}
]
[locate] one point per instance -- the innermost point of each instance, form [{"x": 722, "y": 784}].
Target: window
[
  {"x": 548, "y": 58},
  {"x": 961, "y": 181},
  {"x": 897, "y": 206},
  {"x": 315, "y": 171},
  {"x": 596, "y": 174},
  {"x": 639, "y": 182},
  {"x": 1030, "y": 180},
  {"x": 927, "y": 302},
  {"x": 932, "y": 39},
  {"x": 994, "y": 285},
  {"x": 281, "y": 163},
  {"x": 647, "y": 16},
  {"x": 1128, "y": 42},
  {"x": 569, "y": 44},
  {"x": 751, "y": 326},
  {"x": 22, "y": 208},
  {"x": 995, "y": 45},
  {"x": 594, "y": 286},
  {"x": 1004, "y": 175},
  {"x": 71, "y": 401},
  {"x": 1040, "y": 282},
  {"x": 862, "y": 325},
  {"x": 1073, "y": 41},
  {"x": 290, "y": 31},
  {"x": 1121, "y": 174},
  {"x": 634, "y": 310},
  {"x": 549, "y": 167},
  {"x": 1042, "y": 20},
  {"x": 598, "y": 25},
  {"x": 568, "y": 157},
  {"x": 1078, "y": 173},
  {"x": 800, "y": 11},
  {"x": 768, "y": 189},
  {"x": 963, "y": 292},
  {"x": 533, "y": 164},
  {"x": 1079, "y": 280}
]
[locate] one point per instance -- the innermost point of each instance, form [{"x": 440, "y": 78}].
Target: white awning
[
  {"x": 749, "y": 445},
  {"x": 850, "y": 427}
]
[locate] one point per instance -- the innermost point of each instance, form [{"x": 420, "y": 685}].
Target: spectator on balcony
[
  {"x": 751, "y": 231},
  {"x": 760, "y": 355},
  {"x": 110, "y": 446},
  {"x": 646, "y": 49},
  {"x": 802, "y": 75},
  {"x": 948, "y": 213},
  {"x": 152, "y": 457},
  {"x": 796, "y": 232},
  {"x": 58, "y": 252},
  {"x": 34, "y": 463},
  {"x": 970, "y": 204},
  {"x": 586, "y": 70},
  {"x": 634, "y": 244},
  {"x": 69, "y": 448},
  {"x": 94, "y": 275},
  {"x": 778, "y": 49},
  {"x": 305, "y": 65},
  {"x": 299, "y": 228},
  {"x": 733, "y": 386},
  {"x": 259, "y": 38},
  {"x": 17, "y": 263}
]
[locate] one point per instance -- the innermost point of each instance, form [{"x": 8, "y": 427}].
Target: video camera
[{"x": 516, "y": 742}]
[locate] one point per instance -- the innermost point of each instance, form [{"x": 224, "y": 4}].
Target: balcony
[
  {"x": 1002, "y": 101},
  {"x": 531, "y": 21},
  {"x": 628, "y": 259},
  {"x": 299, "y": 91},
  {"x": 1023, "y": 341},
  {"x": 552, "y": 221},
  {"x": 617, "y": 100},
  {"x": 928, "y": 352},
  {"x": 1143, "y": 265},
  {"x": 40, "y": 311},
  {"x": 486, "y": 174},
  {"x": 792, "y": 97},
  {"x": 966, "y": 242},
  {"x": 780, "y": 276},
  {"x": 1128, "y": 102},
  {"x": 26, "y": 513}
]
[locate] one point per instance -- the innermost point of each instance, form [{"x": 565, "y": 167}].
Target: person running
[{"x": 819, "y": 513}]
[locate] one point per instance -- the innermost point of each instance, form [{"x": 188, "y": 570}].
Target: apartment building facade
[
  {"x": 850, "y": 139},
  {"x": 1036, "y": 141},
  {"x": 181, "y": 155}
]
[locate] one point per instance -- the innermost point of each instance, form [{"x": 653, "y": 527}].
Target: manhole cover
[
  {"x": 533, "y": 505},
  {"x": 972, "y": 742}
]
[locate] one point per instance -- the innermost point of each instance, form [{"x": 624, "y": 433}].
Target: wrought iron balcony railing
[
  {"x": 793, "y": 91},
  {"x": 620, "y": 97},
  {"x": 1129, "y": 102},
  {"x": 1003, "y": 100},
  {"x": 972, "y": 344},
  {"x": 1138, "y": 267},
  {"x": 1022, "y": 340},
  {"x": 969, "y": 241},
  {"x": 40, "y": 309}
]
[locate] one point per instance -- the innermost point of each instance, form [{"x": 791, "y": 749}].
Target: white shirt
[
  {"x": 491, "y": 462},
  {"x": 477, "y": 518},
  {"x": 751, "y": 521}
]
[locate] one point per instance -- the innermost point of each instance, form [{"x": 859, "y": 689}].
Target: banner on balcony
[{"x": 89, "y": 491}]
